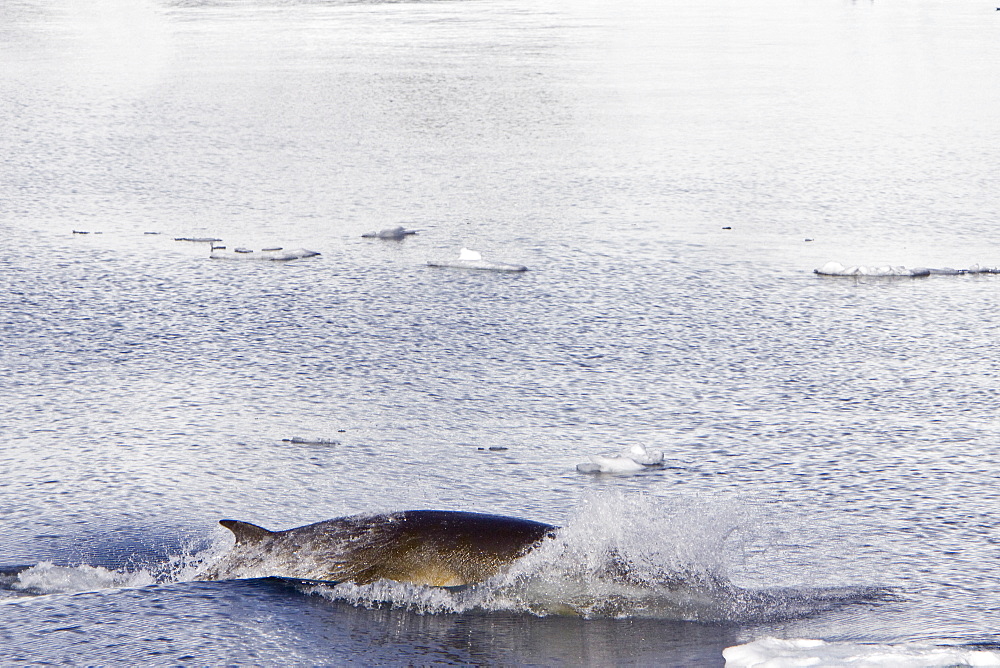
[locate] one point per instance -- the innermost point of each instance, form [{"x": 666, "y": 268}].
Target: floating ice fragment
[
  {"x": 272, "y": 254},
  {"x": 310, "y": 441},
  {"x": 631, "y": 460},
  {"x": 837, "y": 269},
  {"x": 471, "y": 259},
  {"x": 808, "y": 652},
  {"x": 639, "y": 454},
  {"x": 610, "y": 464},
  {"x": 398, "y": 232}
]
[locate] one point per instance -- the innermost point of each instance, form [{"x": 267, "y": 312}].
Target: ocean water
[{"x": 671, "y": 173}]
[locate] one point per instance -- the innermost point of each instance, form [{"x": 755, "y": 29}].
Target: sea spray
[
  {"x": 48, "y": 578},
  {"x": 619, "y": 555},
  {"x": 630, "y": 555}
]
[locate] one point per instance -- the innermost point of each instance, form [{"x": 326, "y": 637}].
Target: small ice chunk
[
  {"x": 398, "y": 232},
  {"x": 612, "y": 464},
  {"x": 640, "y": 455}
]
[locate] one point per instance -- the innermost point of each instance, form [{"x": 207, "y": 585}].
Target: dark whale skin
[{"x": 427, "y": 547}]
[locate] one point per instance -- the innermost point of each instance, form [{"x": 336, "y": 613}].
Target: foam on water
[
  {"x": 46, "y": 578},
  {"x": 779, "y": 653}
]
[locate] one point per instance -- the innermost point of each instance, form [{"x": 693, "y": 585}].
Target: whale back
[
  {"x": 429, "y": 547},
  {"x": 446, "y": 548}
]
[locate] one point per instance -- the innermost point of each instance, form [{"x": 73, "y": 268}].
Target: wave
[{"x": 619, "y": 556}]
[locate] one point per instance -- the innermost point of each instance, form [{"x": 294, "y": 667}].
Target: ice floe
[
  {"x": 470, "y": 259},
  {"x": 307, "y": 440},
  {"x": 779, "y": 653},
  {"x": 837, "y": 269},
  {"x": 631, "y": 460},
  {"x": 398, "y": 232},
  {"x": 273, "y": 254}
]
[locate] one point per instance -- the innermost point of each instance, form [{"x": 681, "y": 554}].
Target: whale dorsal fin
[{"x": 245, "y": 532}]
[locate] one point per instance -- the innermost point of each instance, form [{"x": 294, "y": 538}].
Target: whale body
[{"x": 425, "y": 547}]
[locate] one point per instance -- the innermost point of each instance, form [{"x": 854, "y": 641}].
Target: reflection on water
[{"x": 265, "y": 621}]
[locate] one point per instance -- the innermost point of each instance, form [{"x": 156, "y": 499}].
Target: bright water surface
[{"x": 833, "y": 444}]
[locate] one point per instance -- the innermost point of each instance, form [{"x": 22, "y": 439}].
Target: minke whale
[{"x": 438, "y": 548}]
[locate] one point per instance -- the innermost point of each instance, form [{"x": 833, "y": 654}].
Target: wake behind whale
[
  {"x": 620, "y": 556},
  {"x": 617, "y": 556}
]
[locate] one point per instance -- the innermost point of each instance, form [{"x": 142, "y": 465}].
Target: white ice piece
[
  {"x": 398, "y": 232},
  {"x": 631, "y": 460},
  {"x": 782, "y": 653},
  {"x": 274, "y": 255},
  {"x": 471, "y": 259}
]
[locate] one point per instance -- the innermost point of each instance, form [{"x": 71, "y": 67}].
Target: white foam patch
[
  {"x": 792, "y": 653},
  {"x": 47, "y": 578},
  {"x": 416, "y": 598}
]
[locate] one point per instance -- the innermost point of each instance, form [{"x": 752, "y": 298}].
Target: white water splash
[
  {"x": 627, "y": 555},
  {"x": 47, "y": 578},
  {"x": 620, "y": 555}
]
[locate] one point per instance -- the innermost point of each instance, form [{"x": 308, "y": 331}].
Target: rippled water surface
[{"x": 671, "y": 173}]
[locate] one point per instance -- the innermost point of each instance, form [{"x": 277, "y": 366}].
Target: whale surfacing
[{"x": 425, "y": 547}]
